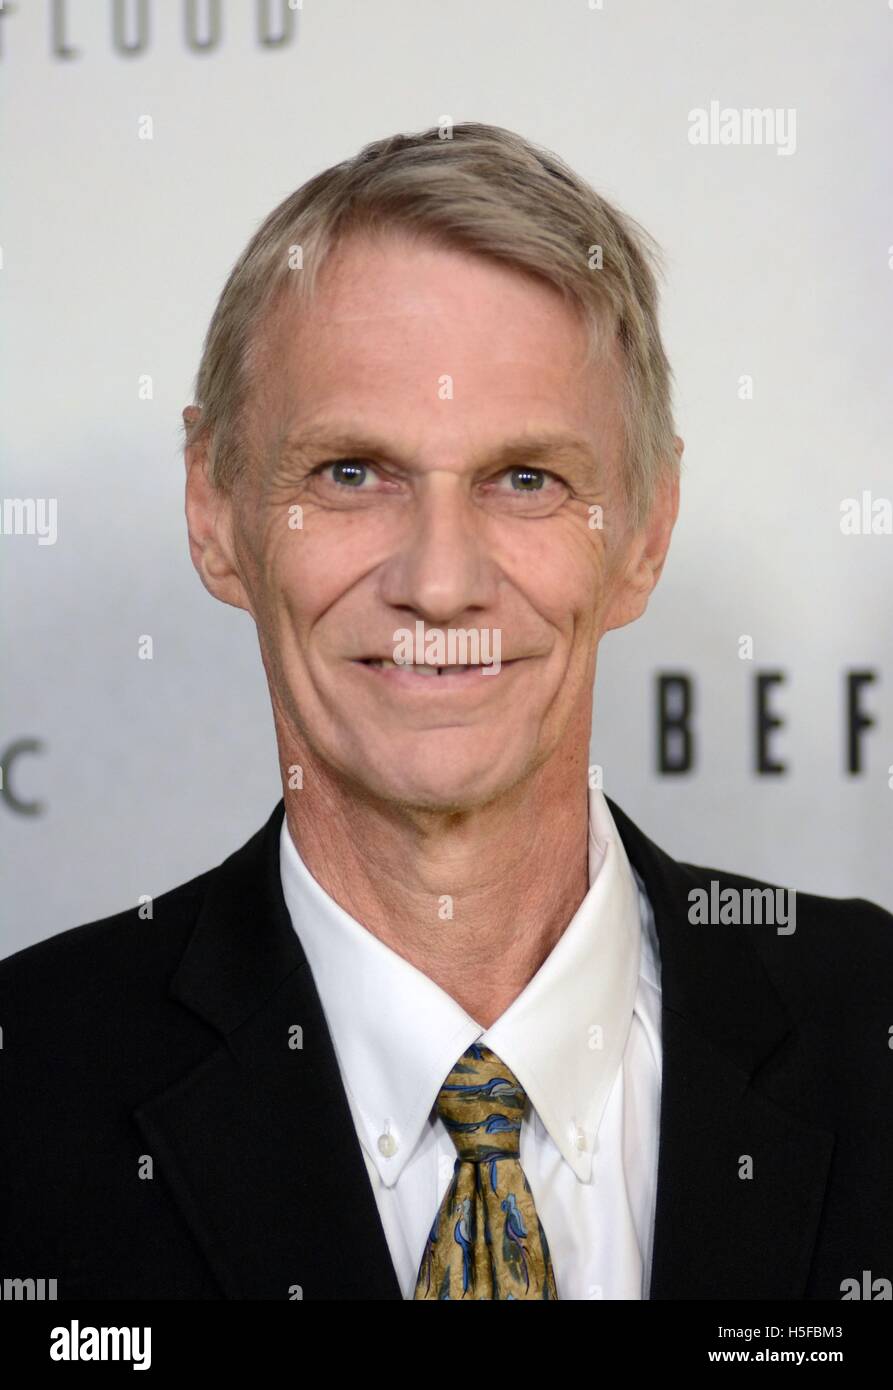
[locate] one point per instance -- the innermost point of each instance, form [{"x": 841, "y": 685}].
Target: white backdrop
[{"x": 779, "y": 268}]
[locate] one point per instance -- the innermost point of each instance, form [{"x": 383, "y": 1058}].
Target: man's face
[{"x": 432, "y": 417}]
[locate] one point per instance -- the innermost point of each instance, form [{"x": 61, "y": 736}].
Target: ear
[
  {"x": 209, "y": 523},
  {"x": 645, "y": 551}
]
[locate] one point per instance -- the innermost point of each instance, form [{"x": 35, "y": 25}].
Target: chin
[{"x": 441, "y": 780}]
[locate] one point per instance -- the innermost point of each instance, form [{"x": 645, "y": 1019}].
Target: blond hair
[{"x": 471, "y": 187}]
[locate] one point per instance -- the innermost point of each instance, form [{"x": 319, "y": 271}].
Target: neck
[{"x": 475, "y": 899}]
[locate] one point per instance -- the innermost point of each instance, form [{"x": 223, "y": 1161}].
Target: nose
[{"x": 442, "y": 568}]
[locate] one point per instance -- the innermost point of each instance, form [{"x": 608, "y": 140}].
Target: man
[{"x": 448, "y": 1026}]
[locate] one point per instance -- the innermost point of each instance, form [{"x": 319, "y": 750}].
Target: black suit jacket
[{"x": 170, "y": 1041}]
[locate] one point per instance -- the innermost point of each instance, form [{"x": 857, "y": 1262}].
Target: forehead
[{"x": 407, "y": 334}]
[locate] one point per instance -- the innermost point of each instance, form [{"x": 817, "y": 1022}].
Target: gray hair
[{"x": 471, "y": 187}]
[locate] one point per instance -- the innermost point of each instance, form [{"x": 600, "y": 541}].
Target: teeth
[{"x": 418, "y": 670}]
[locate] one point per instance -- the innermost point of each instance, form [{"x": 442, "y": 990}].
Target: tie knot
[{"x": 481, "y": 1103}]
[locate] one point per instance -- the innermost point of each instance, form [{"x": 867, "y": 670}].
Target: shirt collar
[{"x": 397, "y": 1034}]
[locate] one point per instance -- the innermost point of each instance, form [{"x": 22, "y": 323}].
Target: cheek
[
  {"x": 301, "y": 576},
  {"x": 564, "y": 576}
]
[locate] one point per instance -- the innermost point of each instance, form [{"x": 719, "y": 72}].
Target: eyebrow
[{"x": 511, "y": 453}]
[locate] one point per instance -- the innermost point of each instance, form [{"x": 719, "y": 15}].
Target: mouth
[
  {"x": 384, "y": 663},
  {"x": 455, "y": 674}
]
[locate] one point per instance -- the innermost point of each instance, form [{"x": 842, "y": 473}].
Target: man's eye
[
  {"x": 536, "y": 481},
  {"x": 527, "y": 479},
  {"x": 350, "y": 473}
]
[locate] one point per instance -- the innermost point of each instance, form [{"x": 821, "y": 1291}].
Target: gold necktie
[{"x": 487, "y": 1240}]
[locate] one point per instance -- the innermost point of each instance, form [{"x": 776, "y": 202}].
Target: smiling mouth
[{"x": 385, "y": 664}]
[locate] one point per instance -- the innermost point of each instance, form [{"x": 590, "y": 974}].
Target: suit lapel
[
  {"x": 718, "y": 1235},
  {"x": 258, "y": 1143}
]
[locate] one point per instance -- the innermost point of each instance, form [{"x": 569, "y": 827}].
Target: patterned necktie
[{"x": 486, "y": 1241}]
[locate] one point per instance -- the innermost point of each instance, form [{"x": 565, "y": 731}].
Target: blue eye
[
  {"x": 531, "y": 479},
  {"x": 348, "y": 472}
]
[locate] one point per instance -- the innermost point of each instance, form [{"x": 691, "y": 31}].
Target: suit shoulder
[
  {"x": 819, "y": 907},
  {"x": 841, "y": 945},
  {"x": 132, "y": 941}
]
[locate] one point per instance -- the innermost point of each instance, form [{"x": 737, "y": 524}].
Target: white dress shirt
[{"x": 583, "y": 1039}]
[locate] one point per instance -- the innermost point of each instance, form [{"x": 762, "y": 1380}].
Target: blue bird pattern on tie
[{"x": 487, "y": 1241}]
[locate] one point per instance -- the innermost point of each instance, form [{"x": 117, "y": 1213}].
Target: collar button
[{"x": 387, "y": 1144}]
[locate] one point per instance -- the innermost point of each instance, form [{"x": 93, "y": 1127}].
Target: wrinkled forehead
[{"x": 406, "y": 334}]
